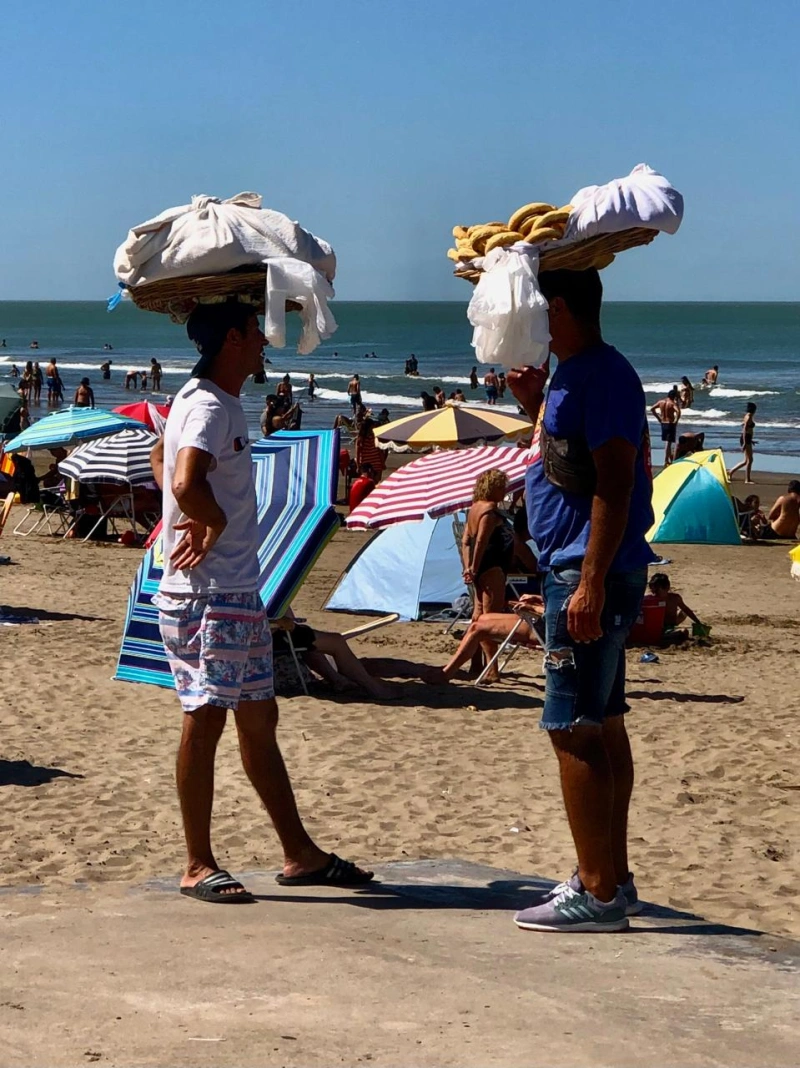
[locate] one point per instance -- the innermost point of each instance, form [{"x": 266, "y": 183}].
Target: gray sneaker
[
  {"x": 574, "y": 910},
  {"x": 633, "y": 906}
]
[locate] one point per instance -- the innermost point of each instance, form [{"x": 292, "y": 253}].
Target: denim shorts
[{"x": 585, "y": 681}]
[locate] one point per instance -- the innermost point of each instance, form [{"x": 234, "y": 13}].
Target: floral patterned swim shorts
[{"x": 219, "y": 648}]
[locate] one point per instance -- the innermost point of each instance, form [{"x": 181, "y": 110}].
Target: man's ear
[{"x": 557, "y": 306}]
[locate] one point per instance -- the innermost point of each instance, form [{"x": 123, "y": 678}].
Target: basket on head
[
  {"x": 178, "y": 297},
  {"x": 596, "y": 252}
]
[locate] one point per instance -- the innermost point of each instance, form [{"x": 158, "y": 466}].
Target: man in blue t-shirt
[{"x": 588, "y": 500}]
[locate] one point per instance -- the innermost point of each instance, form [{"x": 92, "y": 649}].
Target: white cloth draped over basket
[
  {"x": 508, "y": 310},
  {"x": 213, "y": 236}
]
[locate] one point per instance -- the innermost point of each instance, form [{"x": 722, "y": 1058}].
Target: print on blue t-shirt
[{"x": 595, "y": 395}]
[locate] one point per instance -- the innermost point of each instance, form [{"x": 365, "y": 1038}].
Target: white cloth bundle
[
  {"x": 645, "y": 198},
  {"x": 508, "y": 310},
  {"x": 213, "y": 236}
]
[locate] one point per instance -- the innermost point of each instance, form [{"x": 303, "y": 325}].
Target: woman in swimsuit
[
  {"x": 487, "y": 548},
  {"x": 686, "y": 393},
  {"x": 746, "y": 442}
]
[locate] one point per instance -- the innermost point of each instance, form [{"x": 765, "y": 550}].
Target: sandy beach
[{"x": 86, "y": 769}]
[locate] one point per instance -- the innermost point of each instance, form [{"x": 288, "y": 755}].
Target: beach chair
[
  {"x": 467, "y": 608},
  {"x": 508, "y": 648},
  {"x": 295, "y": 477}
]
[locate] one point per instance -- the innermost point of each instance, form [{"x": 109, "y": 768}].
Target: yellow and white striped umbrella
[{"x": 454, "y": 425}]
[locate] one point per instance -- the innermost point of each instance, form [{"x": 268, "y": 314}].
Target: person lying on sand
[
  {"x": 677, "y": 609},
  {"x": 784, "y": 516},
  {"x": 496, "y": 627}
]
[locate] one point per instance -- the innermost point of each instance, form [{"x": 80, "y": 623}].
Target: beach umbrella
[
  {"x": 454, "y": 425},
  {"x": 152, "y": 415},
  {"x": 68, "y": 427},
  {"x": 10, "y": 403},
  {"x": 437, "y": 484},
  {"x": 122, "y": 457},
  {"x": 296, "y": 475}
]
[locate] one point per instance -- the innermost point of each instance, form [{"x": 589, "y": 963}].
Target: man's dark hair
[
  {"x": 581, "y": 291},
  {"x": 794, "y": 486},
  {"x": 208, "y": 326}
]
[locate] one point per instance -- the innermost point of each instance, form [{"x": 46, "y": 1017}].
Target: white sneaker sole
[{"x": 590, "y": 926}]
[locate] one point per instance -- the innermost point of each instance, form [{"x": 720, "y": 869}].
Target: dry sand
[{"x": 86, "y": 768}]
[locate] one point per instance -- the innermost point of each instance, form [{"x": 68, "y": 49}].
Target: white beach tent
[{"x": 404, "y": 566}]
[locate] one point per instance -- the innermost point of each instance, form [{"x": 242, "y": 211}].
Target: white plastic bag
[{"x": 509, "y": 311}]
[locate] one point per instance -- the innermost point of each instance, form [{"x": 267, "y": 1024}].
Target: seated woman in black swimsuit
[{"x": 487, "y": 549}]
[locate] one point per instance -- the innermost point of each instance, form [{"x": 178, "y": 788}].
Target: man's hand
[
  {"x": 585, "y": 609},
  {"x": 527, "y": 385},
  {"x": 195, "y": 544}
]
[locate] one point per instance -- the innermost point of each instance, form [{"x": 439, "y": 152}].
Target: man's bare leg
[
  {"x": 618, "y": 747},
  {"x": 350, "y": 666},
  {"x": 256, "y": 724},
  {"x": 195, "y": 778},
  {"x": 587, "y": 784}
]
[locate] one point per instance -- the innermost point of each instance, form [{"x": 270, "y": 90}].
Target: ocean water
[{"x": 757, "y": 348}]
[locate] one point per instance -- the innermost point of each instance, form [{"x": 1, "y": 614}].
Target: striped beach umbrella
[
  {"x": 437, "y": 484},
  {"x": 68, "y": 427},
  {"x": 296, "y": 475},
  {"x": 454, "y": 425},
  {"x": 122, "y": 457}
]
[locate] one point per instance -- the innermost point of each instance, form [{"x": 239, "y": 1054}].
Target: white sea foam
[
  {"x": 706, "y": 413},
  {"x": 721, "y": 391}
]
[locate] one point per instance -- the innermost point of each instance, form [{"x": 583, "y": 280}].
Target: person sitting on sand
[
  {"x": 784, "y": 517},
  {"x": 315, "y": 646},
  {"x": 428, "y": 402},
  {"x": 383, "y": 417},
  {"x": 689, "y": 443},
  {"x": 710, "y": 377},
  {"x": 361, "y": 487},
  {"x": 677, "y": 609},
  {"x": 495, "y": 627},
  {"x": 752, "y": 520}
]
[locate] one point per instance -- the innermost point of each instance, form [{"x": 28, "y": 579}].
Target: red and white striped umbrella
[{"x": 437, "y": 484}]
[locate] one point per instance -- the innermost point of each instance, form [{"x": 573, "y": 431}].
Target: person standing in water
[
  {"x": 354, "y": 392},
  {"x": 473, "y": 378},
  {"x": 711, "y": 376},
  {"x": 668, "y": 414},
  {"x": 686, "y": 393},
  {"x": 312, "y": 386},
  {"x": 105, "y": 370},
  {"x": 84, "y": 395},
  {"x": 746, "y": 442},
  {"x": 491, "y": 384},
  {"x": 155, "y": 374}
]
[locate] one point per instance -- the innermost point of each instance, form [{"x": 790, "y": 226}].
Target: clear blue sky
[{"x": 380, "y": 125}]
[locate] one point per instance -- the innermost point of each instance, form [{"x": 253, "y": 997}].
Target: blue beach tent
[
  {"x": 692, "y": 502},
  {"x": 403, "y": 567}
]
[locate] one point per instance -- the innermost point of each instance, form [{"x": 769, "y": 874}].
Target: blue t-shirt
[{"x": 595, "y": 395}]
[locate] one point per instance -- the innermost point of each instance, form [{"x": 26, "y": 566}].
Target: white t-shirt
[{"x": 204, "y": 417}]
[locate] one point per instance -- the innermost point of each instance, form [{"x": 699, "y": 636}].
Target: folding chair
[
  {"x": 459, "y": 525},
  {"x": 536, "y": 624}
]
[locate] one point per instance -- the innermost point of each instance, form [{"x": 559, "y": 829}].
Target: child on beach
[{"x": 677, "y": 609}]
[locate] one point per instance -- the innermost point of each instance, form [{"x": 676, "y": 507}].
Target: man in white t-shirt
[{"x": 212, "y": 620}]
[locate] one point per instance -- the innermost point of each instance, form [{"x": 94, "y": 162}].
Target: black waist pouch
[{"x": 568, "y": 463}]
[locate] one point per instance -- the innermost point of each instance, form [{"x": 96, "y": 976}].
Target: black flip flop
[
  {"x": 211, "y": 889},
  {"x": 337, "y": 872}
]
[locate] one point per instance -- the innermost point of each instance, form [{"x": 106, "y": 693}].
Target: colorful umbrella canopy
[
  {"x": 68, "y": 427},
  {"x": 123, "y": 457},
  {"x": 453, "y": 425},
  {"x": 152, "y": 415},
  {"x": 296, "y": 475},
  {"x": 437, "y": 484}
]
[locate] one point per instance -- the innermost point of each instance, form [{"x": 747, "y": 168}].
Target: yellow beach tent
[{"x": 692, "y": 502}]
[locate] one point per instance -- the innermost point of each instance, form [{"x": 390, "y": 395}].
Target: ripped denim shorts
[{"x": 585, "y": 681}]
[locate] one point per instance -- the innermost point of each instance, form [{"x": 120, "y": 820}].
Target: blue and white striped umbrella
[
  {"x": 123, "y": 457},
  {"x": 70, "y": 426}
]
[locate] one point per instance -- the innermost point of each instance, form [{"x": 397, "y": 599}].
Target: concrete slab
[{"x": 424, "y": 969}]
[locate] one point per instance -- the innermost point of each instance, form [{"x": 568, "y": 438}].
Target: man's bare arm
[
  {"x": 157, "y": 461},
  {"x": 192, "y": 490},
  {"x": 615, "y": 463}
]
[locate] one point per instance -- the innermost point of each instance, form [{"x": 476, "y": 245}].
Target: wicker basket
[
  {"x": 177, "y": 297},
  {"x": 581, "y": 255}
]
